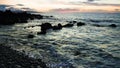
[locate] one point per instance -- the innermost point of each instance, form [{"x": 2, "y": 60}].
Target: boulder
[
  {"x": 58, "y": 27},
  {"x": 113, "y": 25},
  {"x": 80, "y": 24},
  {"x": 46, "y": 26},
  {"x": 30, "y": 36}
]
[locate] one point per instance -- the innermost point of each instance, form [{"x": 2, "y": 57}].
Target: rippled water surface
[{"x": 81, "y": 47}]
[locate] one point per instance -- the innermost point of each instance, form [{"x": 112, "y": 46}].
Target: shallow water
[{"x": 82, "y": 47}]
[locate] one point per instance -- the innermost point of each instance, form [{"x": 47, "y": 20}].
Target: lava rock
[
  {"x": 9, "y": 18},
  {"x": 58, "y": 27},
  {"x": 72, "y": 22},
  {"x": 80, "y": 24},
  {"x": 10, "y": 58},
  {"x": 113, "y": 25},
  {"x": 46, "y": 26},
  {"x": 30, "y": 36}
]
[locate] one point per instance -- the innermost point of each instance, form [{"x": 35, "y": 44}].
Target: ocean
[{"x": 85, "y": 46}]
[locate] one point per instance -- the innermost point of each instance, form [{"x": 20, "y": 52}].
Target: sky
[{"x": 63, "y": 5}]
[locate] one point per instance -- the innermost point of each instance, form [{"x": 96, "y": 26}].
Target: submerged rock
[
  {"x": 113, "y": 25},
  {"x": 58, "y": 27},
  {"x": 80, "y": 24},
  {"x": 72, "y": 22},
  {"x": 97, "y": 25},
  {"x": 30, "y": 36},
  {"x": 77, "y": 53},
  {"x": 46, "y": 26}
]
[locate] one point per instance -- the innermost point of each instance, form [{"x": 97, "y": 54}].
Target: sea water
[{"x": 80, "y": 47}]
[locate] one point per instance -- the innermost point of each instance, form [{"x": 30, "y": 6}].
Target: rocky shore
[
  {"x": 10, "y": 58},
  {"x": 10, "y": 18}
]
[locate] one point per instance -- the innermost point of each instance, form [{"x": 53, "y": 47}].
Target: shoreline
[{"x": 10, "y": 58}]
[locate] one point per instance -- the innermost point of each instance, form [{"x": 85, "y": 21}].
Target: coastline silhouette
[{"x": 9, "y": 18}]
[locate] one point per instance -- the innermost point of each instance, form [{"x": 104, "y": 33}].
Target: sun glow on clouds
[{"x": 67, "y": 5}]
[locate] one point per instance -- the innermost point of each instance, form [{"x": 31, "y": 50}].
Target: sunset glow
[{"x": 66, "y": 5}]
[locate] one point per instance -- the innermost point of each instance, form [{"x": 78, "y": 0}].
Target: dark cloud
[
  {"x": 118, "y": 10},
  {"x": 26, "y": 8},
  {"x": 15, "y": 9},
  {"x": 12, "y": 8},
  {"x": 19, "y": 4},
  {"x": 29, "y": 10},
  {"x": 3, "y": 7}
]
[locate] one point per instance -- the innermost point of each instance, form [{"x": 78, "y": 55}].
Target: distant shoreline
[{"x": 9, "y": 18}]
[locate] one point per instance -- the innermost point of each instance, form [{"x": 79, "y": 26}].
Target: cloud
[
  {"x": 117, "y": 10},
  {"x": 99, "y": 4},
  {"x": 27, "y": 9},
  {"x": 19, "y": 5},
  {"x": 4, "y": 7},
  {"x": 12, "y": 8},
  {"x": 94, "y": 3},
  {"x": 64, "y": 10}
]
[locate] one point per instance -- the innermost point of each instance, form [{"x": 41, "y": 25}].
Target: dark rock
[
  {"x": 77, "y": 53},
  {"x": 97, "y": 25},
  {"x": 9, "y": 18},
  {"x": 72, "y": 22},
  {"x": 10, "y": 58},
  {"x": 46, "y": 26},
  {"x": 113, "y": 25},
  {"x": 58, "y": 27},
  {"x": 80, "y": 24},
  {"x": 68, "y": 25},
  {"x": 30, "y": 36},
  {"x": 95, "y": 21}
]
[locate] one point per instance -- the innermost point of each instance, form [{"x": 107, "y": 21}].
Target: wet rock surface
[
  {"x": 12, "y": 59},
  {"x": 113, "y": 25},
  {"x": 80, "y": 24},
  {"x": 30, "y": 36},
  {"x": 58, "y": 27}
]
